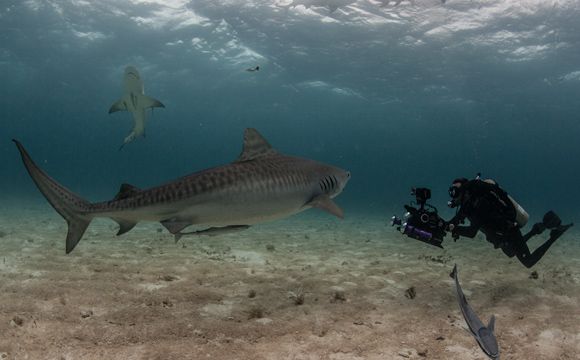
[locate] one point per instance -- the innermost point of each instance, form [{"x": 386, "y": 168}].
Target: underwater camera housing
[{"x": 421, "y": 222}]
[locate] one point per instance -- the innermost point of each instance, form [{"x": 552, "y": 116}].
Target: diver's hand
[
  {"x": 451, "y": 227},
  {"x": 455, "y": 236}
]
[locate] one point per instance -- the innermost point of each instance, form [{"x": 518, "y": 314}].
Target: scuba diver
[{"x": 490, "y": 209}]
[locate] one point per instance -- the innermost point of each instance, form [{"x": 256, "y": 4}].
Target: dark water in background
[{"x": 401, "y": 96}]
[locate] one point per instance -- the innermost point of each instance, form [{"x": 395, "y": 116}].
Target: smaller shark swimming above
[
  {"x": 136, "y": 102},
  {"x": 260, "y": 185},
  {"x": 482, "y": 334}
]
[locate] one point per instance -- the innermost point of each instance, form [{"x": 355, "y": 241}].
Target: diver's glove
[
  {"x": 451, "y": 227},
  {"x": 455, "y": 236}
]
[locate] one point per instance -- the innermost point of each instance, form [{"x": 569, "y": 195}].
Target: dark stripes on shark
[{"x": 261, "y": 185}]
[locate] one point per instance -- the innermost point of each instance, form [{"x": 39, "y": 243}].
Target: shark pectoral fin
[
  {"x": 119, "y": 105},
  {"x": 149, "y": 102},
  {"x": 491, "y": 324},
  {"x": 126, "y": 191},
  {"x": 255, "y": 146},
  {"x": 324, "y": 202},
  {"x": 175, "y": 226},
  {"x": 125, "y": 226}
]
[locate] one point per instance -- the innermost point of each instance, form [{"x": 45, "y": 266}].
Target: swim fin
[
  {"x": 558, "y": 231},
  {"x": 551, "y": 220}
]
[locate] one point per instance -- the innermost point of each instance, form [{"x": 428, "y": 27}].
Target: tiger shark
[
  {"x": 261, "y": 185},
  {"x": 136, "y": 102},
  {"x": 484, "y": 335}
]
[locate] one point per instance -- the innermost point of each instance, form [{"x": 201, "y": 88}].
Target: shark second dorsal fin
[
  {"x": 255, "y": 146},
  {"x": 491, "y": 325},
  {"x": 126, "y": 190}
]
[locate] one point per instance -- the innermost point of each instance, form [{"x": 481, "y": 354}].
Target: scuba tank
[{"x": 522, "y": 215}]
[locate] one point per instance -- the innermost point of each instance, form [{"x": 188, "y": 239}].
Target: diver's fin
[
  {"x": 491, "y": 324},
  {"x": 149, "y": 102},
  {"x": 324, "y": 202},
  {"x": 119, "y": 105},
  {"x": 74, "y": 209},
  {"x": 551, "y": 220},
  {"x": 559, "y": 231},
  {"x": 125, "y": 226},
  {"x": 255, "y": 146},
  {"x": 126, "y": 190}
]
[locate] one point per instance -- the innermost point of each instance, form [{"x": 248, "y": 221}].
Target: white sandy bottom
[{"x": 140, "y": 296}]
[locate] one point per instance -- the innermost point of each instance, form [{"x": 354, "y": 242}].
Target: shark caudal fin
[{"x": 70, "y": 206}]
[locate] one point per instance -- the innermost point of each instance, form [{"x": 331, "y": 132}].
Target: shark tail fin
[{"x": 74, "y": 209}]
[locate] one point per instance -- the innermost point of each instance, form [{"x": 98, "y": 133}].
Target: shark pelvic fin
[
  {"x": 175, "y": 226},
  {"x": 324, "y": 202},
  {"x": 149, "y": 102},
  {"x": 124, "y": 226},
  {"x": 126, "y": 191},
  {"x": 119, "y": 105},
  {"x": 255, "y": 146}
]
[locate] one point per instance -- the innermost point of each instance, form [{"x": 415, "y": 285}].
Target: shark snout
[
  {"x": 344, "y": 177},
  {"x": 131, "y": 71}
]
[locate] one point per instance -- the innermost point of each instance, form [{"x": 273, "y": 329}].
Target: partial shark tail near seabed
[{"x": 74, "y": 209}]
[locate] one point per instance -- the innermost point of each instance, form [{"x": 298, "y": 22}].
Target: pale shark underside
[
  {"x": 261, "y": 185},
  {"x": 134, "y": 101}
]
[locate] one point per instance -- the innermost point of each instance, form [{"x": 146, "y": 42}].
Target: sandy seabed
[{"x": 309, "y": 287}]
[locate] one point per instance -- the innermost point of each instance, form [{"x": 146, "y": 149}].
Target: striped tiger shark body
[{"x": 261, "y": 185}]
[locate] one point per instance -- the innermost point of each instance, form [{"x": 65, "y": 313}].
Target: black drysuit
[{"x": 489, "y": 210}]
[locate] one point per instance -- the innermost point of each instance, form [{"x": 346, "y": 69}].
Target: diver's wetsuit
[{"x": 489, "y": 209}]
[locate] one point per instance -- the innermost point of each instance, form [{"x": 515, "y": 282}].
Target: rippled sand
[{"x": 310, "y": 287}]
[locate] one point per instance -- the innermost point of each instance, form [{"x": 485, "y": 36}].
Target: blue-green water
[{"x": 414, "y": 94}]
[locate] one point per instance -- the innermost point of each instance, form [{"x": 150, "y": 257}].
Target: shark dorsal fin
[
  {"x": 255, "y": 146},
  {"x": 491, "y": 325},
  {"x": 126, "y": 190}
]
